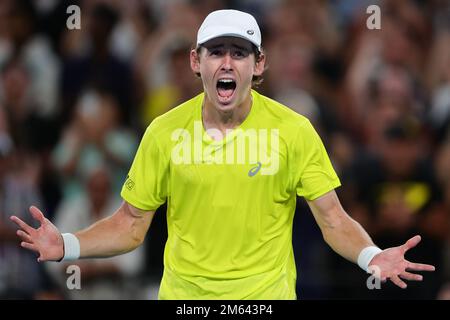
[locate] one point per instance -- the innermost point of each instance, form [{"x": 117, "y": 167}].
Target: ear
[
  {"x": 195, "y": 61},
  {"x": 259, "y": 65}
]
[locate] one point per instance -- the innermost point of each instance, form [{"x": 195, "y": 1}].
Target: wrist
[
  {"x": 71, "y": 246},
  {"x": 366, "y": 255}
]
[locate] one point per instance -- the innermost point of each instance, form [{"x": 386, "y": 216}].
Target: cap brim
[{"x": 213, "y": 33}]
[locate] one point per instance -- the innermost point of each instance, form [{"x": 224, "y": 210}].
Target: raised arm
[
  {"x": 347, "y": 238},
  {"x": 119, "y": 233}
]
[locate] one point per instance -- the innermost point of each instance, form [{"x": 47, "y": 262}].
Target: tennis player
[{"x": 230, "y": 163}]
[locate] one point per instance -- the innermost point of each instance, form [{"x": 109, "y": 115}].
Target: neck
[{"x": 223, "y": 120}]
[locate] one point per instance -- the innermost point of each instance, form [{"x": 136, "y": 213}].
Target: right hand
[{"x": 45, "y": 240}]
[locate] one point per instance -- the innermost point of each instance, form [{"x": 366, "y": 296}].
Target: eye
[
  {"x": 215, "y": 52},
  {"x": 240, "y": 53}
]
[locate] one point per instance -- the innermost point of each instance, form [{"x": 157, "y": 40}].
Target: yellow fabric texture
[{"x": 229, "y": 209}]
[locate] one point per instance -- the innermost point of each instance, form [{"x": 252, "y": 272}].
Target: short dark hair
[{"x": 256, "y": 80}]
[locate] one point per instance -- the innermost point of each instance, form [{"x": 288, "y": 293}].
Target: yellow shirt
[{"x": 230, "y": 203}]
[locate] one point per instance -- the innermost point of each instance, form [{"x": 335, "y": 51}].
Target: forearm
[
  {"x": 342, "y": 233},
  {"x": 347, "y": 238},
  {"x": 114, "y": 235},
  {"x": 104, "y": 239}
]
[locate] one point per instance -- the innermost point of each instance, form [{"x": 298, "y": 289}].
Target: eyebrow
[{"x": 222, "y": 45}]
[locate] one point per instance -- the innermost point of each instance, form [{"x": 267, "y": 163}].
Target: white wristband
[
  {"x": 366, "y": 255},
  {"x": 71, "y": 247}
]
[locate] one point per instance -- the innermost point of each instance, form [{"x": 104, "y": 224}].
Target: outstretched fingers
[
  {"x": 29, "y": 246},
  {"x": 411, "y": 243},
  {"x": 24, "y": 236},
  {"x": 37, "y": 214},
  {"x": 398, "y": 282},
  {"x": 411, "y": 276},
  {"x": 25, "y": 227},
  {"x": 420, "y": 267}
]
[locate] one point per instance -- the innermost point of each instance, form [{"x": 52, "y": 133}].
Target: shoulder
[
  {"x": 279, "y": 112},
  {"x": 293, "y": 123},
  {"x": 178, "y": 117}
]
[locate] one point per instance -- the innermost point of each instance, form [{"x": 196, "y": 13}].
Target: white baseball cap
[{"x": 232, "y": 23}]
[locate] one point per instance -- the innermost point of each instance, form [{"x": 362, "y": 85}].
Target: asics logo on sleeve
[{"x": 253, "y": 171}]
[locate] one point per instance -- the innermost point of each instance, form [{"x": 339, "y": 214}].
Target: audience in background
[{"x": 74, "y": 101}]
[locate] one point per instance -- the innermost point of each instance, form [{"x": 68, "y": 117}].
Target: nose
[{"x": 226, "y": 62}]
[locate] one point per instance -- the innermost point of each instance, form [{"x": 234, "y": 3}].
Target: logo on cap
[{"x": 250, "y": 32}]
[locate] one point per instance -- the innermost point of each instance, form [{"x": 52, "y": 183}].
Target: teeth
[{"x": 226, "y": 80}]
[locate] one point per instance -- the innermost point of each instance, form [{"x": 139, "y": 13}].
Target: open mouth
[{"x": 225, "y": 88}]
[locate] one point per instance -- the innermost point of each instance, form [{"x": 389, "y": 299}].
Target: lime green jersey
[{"x": 230, "y": 203}]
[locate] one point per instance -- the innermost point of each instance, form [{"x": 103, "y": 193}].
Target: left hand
[{"x": 393, "y": 265}]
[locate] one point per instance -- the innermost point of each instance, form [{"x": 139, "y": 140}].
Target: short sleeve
[
  {"x": 314, "y": 174},
  {"x": 146, "y": 185}
]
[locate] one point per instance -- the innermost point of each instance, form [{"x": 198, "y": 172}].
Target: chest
[{"x": 252, "y": 162}]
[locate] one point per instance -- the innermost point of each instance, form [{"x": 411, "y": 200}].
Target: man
[{"x": 230, "y": 164}]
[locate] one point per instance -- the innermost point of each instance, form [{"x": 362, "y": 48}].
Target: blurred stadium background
[{"x": 74, "y": 103}]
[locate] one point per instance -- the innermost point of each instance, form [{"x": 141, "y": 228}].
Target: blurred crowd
[{"x": 74, "y": 104}]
